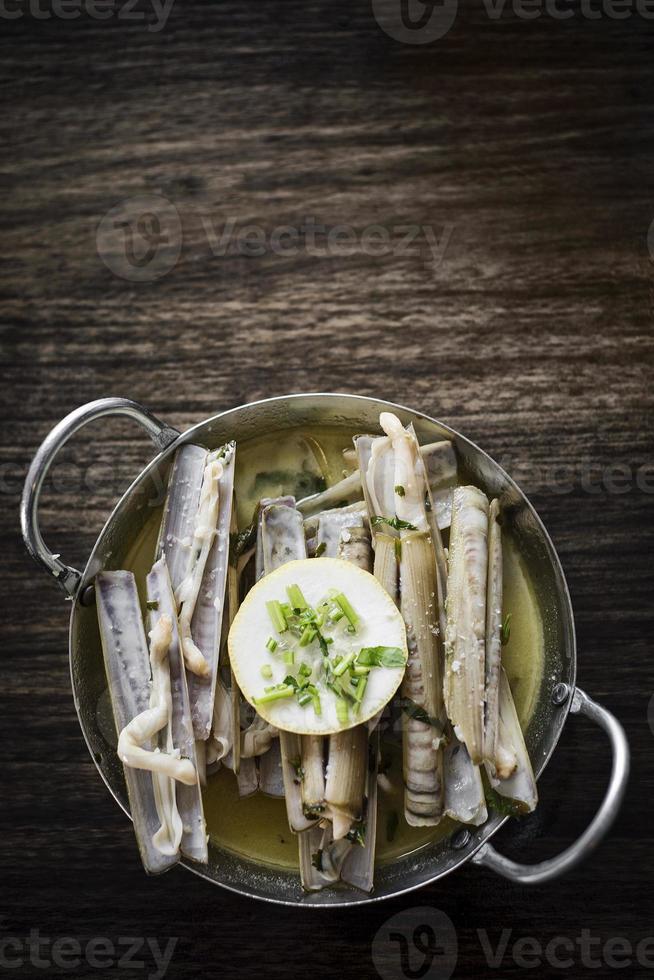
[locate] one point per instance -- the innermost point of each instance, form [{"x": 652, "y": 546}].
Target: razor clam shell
[
  {"x": 312, "y": 749},
  {"x": 176, "y": 533},
  {"x": 189, "y": 798},
  {"x": 331, "y": 523},
  {"x": 521, "y": 785},
  {"x": 359, "y": 865},
  {"x": 344, "y": 492},
  {"x": 283, "y": 540},
  {"x": 465, "y": 637},
  {"x": 207, "y": 620},
  {"x": 247, "y": 777},
  {"x": 271, "y": 775},
  {"x": 127, "y": 665},
  {"x": 287, "y": 501},
  {"x": 464, "y": 789},
  {"x": 334, "y": 853},
  {"x": 493, "y": 633}
]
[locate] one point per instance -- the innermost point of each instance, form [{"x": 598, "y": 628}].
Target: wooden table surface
[{"x": 526, "y": 149}]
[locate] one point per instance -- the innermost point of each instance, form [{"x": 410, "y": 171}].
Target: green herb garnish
[
  {"x": 277, "y": 616},
  {"x": 505, "y": 630},
  {"x": 399, "y": 490},
  {"x": 152, "y": 604},
  {"x": 381, "y": 657},
  {"x": 320, "y": 550},
  {"x": 414, "y": 710},
  {"x": 394, "y": 522}
]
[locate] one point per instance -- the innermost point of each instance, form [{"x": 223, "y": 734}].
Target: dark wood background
[{"x": 529, "y": 143}]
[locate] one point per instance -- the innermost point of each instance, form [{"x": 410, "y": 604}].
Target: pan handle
[
  {"x": 162, "y": 436},
  {"x": 536, "y": 874}
]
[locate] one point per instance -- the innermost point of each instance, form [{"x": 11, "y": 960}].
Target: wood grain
[{"x": 530, "y": 143}]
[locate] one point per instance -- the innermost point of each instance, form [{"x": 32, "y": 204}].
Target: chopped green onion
[
  {"x": 394, "y": 522},
  {"x": 272, "y": 644},
  {"x": 344, "y": 603},
  {"x": 304, "y": 697},
  {"x": 308, "y": 634},
  {"x": 152, "y": 604},
  {"x": 305, "y": 670},
  {"x": 288, "y": 657},
  {"x": 277, "y": 694},
  {"x": 277, "y": 616},
  {"x": 361, "y": 687},
  {"x": 341, "y": 710},
  {"x": 399, "y": 490},
  {"x": 295, "y": 597},
  {"x": 266, "y": 671},
  {"x": 359, "y": 671},
  {"x": 316, "y": 703},
  {"x": 341, "y": 667}
]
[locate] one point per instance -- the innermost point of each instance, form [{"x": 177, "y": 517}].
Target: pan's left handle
[{"x": 162, "y": 436}]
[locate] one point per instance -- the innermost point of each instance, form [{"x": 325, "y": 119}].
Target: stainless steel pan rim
[{"x": 474, "y": 843}]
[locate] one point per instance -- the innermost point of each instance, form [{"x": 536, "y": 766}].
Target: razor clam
[
  {"x": 464, "y": 789},
  {"x": 420, "y": 591},
  {"x": 259, "y": 569},
  {"x": 220, "y": 744},
  {"x": 271, "y": 775},
  {"x": 180, "y": 509},
  {"x": 465, "y": 638},
  {"x": 356, "y": 512},
  {"x": 346, "y": 491},
  {"x": 493, "y": 638},
  {"x": 282, "y": 540},
  {"x": 127, "y": 666},
  {"x": 332, "y": 524},
  {"x": 313, "y": 775},
  {"x": 440, "y": 469},
  {"x": 520, "y": 785},
  {"x": 351, "y": 784},
  {"x": 359, "y": 865},
  {"x": 204, "y": 533},
  {"x": 209, "y": 613},
  {"x": 321, "y": 857},
  {"x": 179, "y": 730},
  {"x": 345, "y": 785}
]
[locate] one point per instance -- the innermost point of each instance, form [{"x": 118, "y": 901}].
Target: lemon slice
[{"x": 318, "y": 646}]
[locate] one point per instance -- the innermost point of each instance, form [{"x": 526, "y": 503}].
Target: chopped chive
[
  {"x": 341, "y": 667},
  {"x": 308, "y": 634},
  {"x": 399, "y": 490},
  {"x": 277, "y": 694},
  {"x": 361, "y": 687},
  {"x": 295, "y": 597},
  {"x": 304, "y": 697},
  {"x": 277, "y": 615},
  {"x": 152, "y": 604},
  {"x": 287, "y": 609},
  {"x": 336, "y": 615},
  {"x": 266, "y": 671},
  {"x": 344, "y": 603},
  {"x": 359, "y": 670},
  {"x": 341, "y": 711},
  {"x": 288, "y": 657},
  {"x": 272, "y": 644},
  {"x": 316, "y": 703},
  {"x": 305, "y": 670}
]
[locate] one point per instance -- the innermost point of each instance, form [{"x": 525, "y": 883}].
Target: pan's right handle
[
  {"x": 536, "y": 874},
  {"x": 162, "y": 436}
]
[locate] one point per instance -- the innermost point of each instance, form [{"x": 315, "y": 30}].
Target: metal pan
[{"x": 558, "y": 697}]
